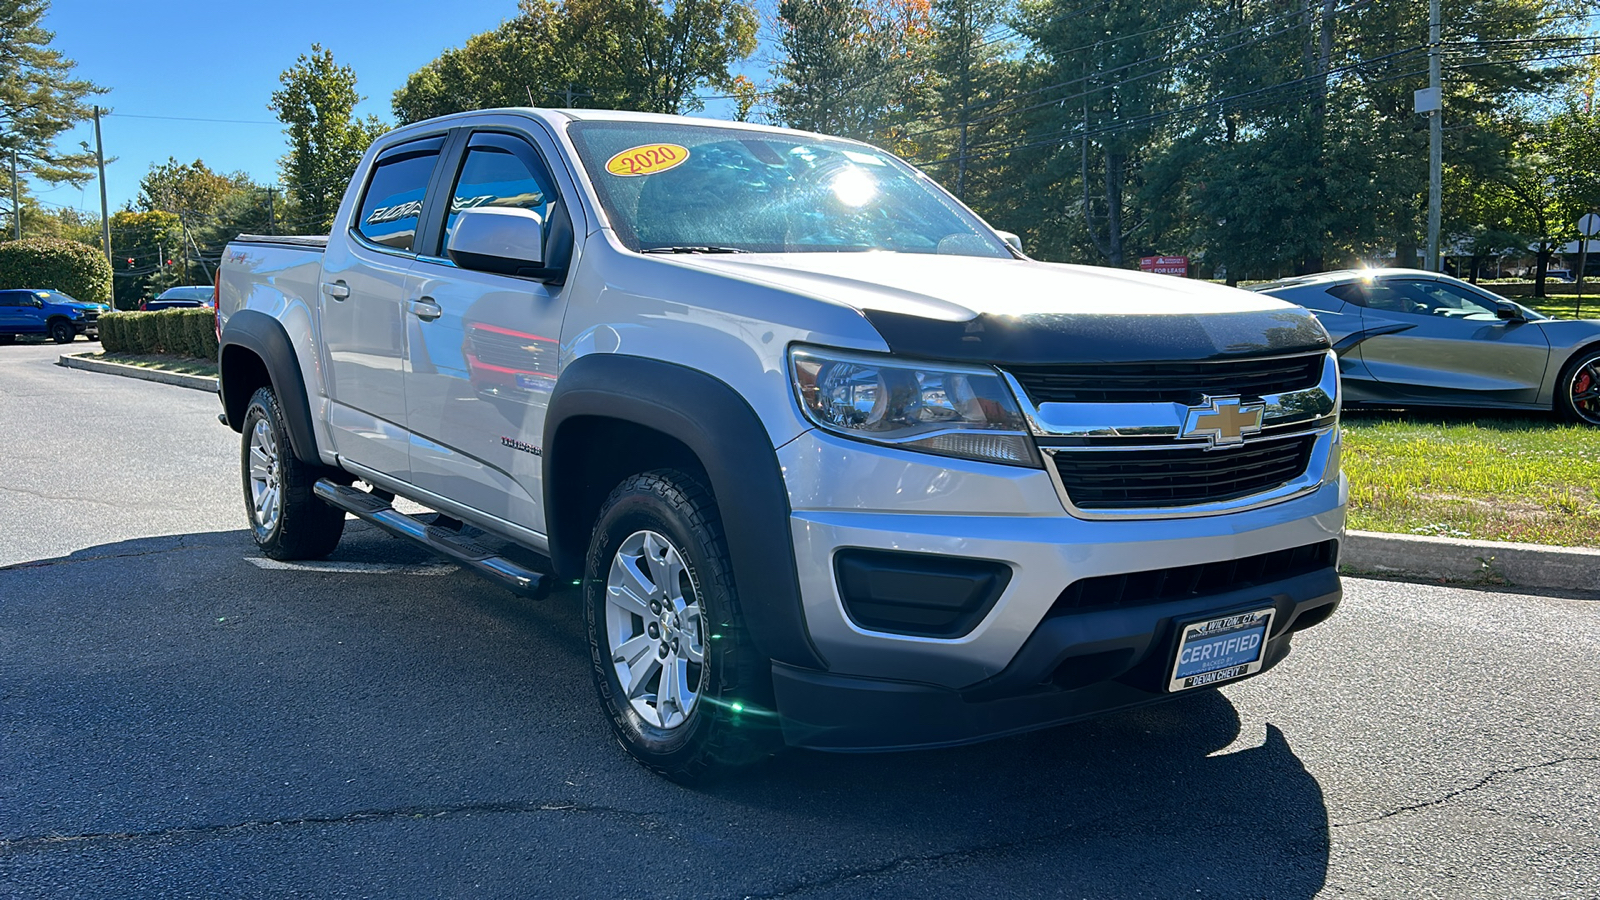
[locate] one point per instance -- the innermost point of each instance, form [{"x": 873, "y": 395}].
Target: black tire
[
  {"x": 305, "y": 527},
  {"x": 1578, "y": 389},
  {"x": 731, "y": 723},
  {"x": 61, "y": 331}
]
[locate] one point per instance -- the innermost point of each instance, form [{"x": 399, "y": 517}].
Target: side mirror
[
  {"x": 1510, "y": 313},
  {"x": 1010, "y": 238},
  {"x": 509, "y": 241}
]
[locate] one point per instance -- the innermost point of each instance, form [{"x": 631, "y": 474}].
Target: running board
[{"x": 452, "y": 545}]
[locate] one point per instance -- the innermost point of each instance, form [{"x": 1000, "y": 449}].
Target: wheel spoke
[
  {"x": 674, "y": 691},
  {"x": 692, "y": 645},
  {"x": 626, "y": 595},
  {"x": 639, "y": 676},
  {"x": 633, "y": 649}
]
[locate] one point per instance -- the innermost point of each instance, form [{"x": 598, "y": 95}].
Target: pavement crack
[
  {"x": 47, "y": 841},
  {"x": 55, "y": 498},
  {"x": 1483, "y": 782},
  {"x": 908, "y": 860}
]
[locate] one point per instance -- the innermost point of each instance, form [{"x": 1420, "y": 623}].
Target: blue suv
[{"x": 48, "y": 312}]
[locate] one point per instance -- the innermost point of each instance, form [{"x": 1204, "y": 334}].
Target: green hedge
[
  {"x": 175, "y": 332},
  {"x": 54, "y": 264}
]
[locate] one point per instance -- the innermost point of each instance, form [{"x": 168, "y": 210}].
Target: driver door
[{"x": 1448, "y": 344}]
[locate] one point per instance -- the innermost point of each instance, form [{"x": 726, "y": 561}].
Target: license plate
[{"x": 1220, "y": 649}]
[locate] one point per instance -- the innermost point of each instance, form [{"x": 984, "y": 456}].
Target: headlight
[{"x": 967, "y": 412}]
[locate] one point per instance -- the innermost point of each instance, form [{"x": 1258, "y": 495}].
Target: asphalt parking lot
[{"x": 177, "y": 720}]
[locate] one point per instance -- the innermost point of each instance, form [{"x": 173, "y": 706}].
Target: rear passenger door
[
  {"x": 11, "y": 312},
  {"x": 482, "y": 368},
  {"x": 364, "y": 306}
]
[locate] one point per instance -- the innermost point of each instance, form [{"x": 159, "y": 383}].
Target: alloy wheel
[
  {"x": 1584, "y": 390},
  {"x": 266, "y": 474},
  {"x": 655, "y": 629}
]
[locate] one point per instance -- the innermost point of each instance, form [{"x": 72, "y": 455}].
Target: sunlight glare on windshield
[{"x": 854, "y": 188}]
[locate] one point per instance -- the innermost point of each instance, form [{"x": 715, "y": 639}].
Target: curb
[
  {"x": 197, "y": 382},
  {"x": 1480, "y": 562}
]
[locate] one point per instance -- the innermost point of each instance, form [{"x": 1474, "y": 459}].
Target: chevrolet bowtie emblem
[{"x": 1223, "y": 421}]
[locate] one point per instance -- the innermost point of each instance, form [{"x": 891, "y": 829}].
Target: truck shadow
[{"x": 377, "y": 692}]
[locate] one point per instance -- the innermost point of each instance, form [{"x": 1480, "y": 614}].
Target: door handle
[
  {"x": 425, "y": 309},
  {"x": 338, "y": 290}
]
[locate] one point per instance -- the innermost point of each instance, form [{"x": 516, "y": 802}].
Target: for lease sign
[{"x": 1166, "y": 265}]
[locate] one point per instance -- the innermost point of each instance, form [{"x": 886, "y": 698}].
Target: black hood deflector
[{"x": 1092, "y": 338}]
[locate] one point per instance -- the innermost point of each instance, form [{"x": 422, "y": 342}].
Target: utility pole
[
  {"x": 1435, "y": 138},
  {"x": 100, "y": 160},
  {"x": 16, "y": 207}
]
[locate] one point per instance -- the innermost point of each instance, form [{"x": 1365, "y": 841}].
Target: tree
[
  {"x": 615, "y": 54},
  {"x": 39, "y": 99},
  {"x": 853, "y": 68},
  {"x": 144, "y": 243},
  {"x": 524, "y": 60},
  {"x": 638, "y": 54},
  {"x": 326, "y": 140},
  {"x": 970, "y": 72},
  {"x": 191, "y": 190}
]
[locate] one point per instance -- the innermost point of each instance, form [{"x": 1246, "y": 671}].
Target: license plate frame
[{"x": 1215, "y": 632}]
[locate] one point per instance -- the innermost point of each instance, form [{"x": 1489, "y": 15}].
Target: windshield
[{"x": 698, "y": 188}]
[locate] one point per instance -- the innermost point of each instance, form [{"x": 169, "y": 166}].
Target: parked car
[
  {"x": 180, "y": 297},
  {"x": 1413, "y": 338},
  {"x": 50, "y": 313},
  {"x": 835, "y": 464}
]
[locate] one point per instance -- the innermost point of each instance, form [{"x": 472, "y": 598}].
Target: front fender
[{"x": 715, "y": 423}]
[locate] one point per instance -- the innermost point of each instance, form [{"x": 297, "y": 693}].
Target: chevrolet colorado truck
[{"x": 835, "y": 464}]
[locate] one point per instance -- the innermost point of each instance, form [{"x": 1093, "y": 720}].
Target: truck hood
[{"x": 1021, "y": 311}]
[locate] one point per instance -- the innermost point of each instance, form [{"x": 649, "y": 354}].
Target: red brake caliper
[{"x": 1584, "y": 380}]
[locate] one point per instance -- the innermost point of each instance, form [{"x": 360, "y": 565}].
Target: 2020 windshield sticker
[{"x": 647, "y": 159}]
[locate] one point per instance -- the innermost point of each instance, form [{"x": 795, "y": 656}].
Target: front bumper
[
  {"x": 1072, "y": 667},
  {"x": 1025, "y": 665}
]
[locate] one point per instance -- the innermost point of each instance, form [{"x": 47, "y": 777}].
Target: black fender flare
[
  {"x": 265, "y": 336},
  {"x": 715, "y": 423}
]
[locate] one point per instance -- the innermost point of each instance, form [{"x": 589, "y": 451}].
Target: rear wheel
[
  {"x": 61, "y": 331},
  {"x": 286, "y": 518},
  {"x": 686, "y": 692},
  {"x": 1578, "y": 390}
]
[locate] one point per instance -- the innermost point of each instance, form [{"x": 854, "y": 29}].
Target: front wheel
[
  {"x": 1578, "y": 390},
  {"x": 286, "y": 518},
  {"x": 61, "y": 331},
  {"x": 686, "y": 692}
]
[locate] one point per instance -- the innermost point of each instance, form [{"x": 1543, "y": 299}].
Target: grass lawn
[
  {"x": 1503, "y": 478},
  {"x": 183, "y": 365},
  {"x": 1566, "y": 307}
]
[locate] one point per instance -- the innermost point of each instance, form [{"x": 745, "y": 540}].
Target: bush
[
  {"x": 175, "y": 332},
  {"x": 58, "y": 265}
]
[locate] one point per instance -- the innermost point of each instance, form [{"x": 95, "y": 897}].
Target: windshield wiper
[{"x": 692, "y": 250}]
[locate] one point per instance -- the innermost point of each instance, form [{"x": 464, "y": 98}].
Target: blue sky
[{"x": 187, "y": 59}]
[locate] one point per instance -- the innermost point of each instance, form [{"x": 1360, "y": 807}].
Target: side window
[
  {"x": 1349, "y": 292},
  {"x": 392, "y": 204},
  {"x": 10, "y": 298},
  {"x": 499, "y": 170},
  {"x": 1447, "y": 300}
]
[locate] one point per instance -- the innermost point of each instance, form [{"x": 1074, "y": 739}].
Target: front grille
[
  {"x": 1182, "y": 476},
  {"x": 506, "y": 350},
  {"x": 91, "y": 316},
  {"x": 1184, "y": 582},
  {"x": 1167, "y": 382}
]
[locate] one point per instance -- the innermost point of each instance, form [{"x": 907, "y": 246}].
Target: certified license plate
[{"x": 1220, "y": 649}]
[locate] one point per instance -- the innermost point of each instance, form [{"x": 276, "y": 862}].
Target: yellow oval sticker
[{"x": 647, "y": 160}]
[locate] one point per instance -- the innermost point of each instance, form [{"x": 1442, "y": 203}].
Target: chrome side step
[{"x": 452, "y": 545}]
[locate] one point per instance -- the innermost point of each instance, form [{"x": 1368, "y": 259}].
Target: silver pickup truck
[{"x": 836, "y": 465}]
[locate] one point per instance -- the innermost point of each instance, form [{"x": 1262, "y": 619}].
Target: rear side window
[
  {"x": 392, "y": 204},
  {"x": 11, "y": 298},
  {"x": 1349, "y": 292},
  {"x": 500, "y": 171}
]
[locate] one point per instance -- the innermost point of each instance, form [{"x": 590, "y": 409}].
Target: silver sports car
[{"x": 1412, "y": 338}]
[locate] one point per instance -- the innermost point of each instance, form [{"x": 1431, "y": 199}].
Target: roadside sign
[
  {"x": 1165, "y": 265},
  {"x": 1589, "y": 225}
]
